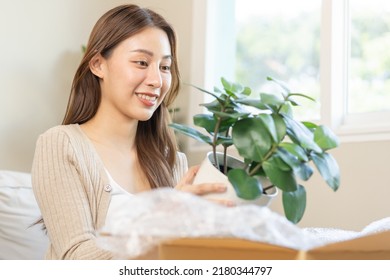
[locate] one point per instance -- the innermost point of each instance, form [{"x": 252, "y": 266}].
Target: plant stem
[
  {"x": 225, "y": 167},
  {"x": 260, "y": 164},
  {"x": 216, "y": 132}
]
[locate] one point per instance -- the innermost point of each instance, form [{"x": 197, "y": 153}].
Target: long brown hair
[{"x": 155, "y": 142}]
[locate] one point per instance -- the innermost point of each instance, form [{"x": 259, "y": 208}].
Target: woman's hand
[{"x": 186, "y": 185}]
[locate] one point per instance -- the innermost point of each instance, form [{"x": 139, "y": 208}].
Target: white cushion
[{"x": 18, "y": 211}]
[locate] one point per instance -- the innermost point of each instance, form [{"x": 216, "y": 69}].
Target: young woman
[{"x": 114, "y": 140}]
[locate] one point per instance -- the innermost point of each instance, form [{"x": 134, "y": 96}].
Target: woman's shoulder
[
  {"x": 61, "y": 129},
  {"x": 63, "y": 133},
  {"x": 67, "y": 138}
]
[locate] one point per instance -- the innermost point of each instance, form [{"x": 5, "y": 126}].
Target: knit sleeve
[{"x": 63, "y": 200}]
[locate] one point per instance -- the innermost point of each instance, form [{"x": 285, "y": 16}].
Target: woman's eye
[
  {"x": 142, "y": 63},
  {"x": 166, "y": 68}
]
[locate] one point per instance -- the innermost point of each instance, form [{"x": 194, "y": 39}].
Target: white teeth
[{"x": 147, "y": 97}]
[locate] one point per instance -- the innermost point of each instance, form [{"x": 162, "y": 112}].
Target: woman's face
[{"x": 136, "y": 76}]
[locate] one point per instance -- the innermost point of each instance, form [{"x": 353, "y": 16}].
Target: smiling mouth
[{"x": 147, "y": 97}]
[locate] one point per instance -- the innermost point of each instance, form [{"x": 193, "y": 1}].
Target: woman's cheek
[{"x": 166, "y": 85}]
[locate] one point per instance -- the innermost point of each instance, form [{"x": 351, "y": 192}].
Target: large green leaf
[
  {"x": 283, "y": 179},
  {"x": 225, "y": 141},
  {"x": 328, "y": 168},
  {"x": 290, "y": 159},
  {"x": 269, "y": 124},
  {"x": 280, "y": 127},
  {"x": 252, "y": 139},
  {"x": 212, "y": 106},
  {"x": 271, "y": 100},
  {"x": 278, "y": 161},
  {"x": 226, "y": 84},
  {"x": 304, "y": 171},
  {"x": 189, "y": 131},
  {"x": 246, "y": 187},
  {"x": 206, "y": 121},
  {"x": 325, "y": 138},
  {"x": 295, "y": 149},
  {"x": 226, "y": 124},
  {"x": 310, "y": 125},
  {"x": 255, "y": 103},
  {"x": 300, "y": 168},
  {"x": 298, "y": 132},
  {"x": 286, "y": 110},
  {"x": 294, "y": 204}
]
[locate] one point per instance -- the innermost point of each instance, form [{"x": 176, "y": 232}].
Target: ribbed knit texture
[{"x": 68, "y": 180}]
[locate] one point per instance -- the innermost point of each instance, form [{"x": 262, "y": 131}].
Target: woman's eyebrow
[{"x": 151, "y": 53}]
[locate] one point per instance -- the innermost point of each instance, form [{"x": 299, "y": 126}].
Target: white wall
[{"x": 40, "y": 50}]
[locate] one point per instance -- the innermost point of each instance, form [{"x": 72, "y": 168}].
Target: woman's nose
[{"x": 154, "y": 78}]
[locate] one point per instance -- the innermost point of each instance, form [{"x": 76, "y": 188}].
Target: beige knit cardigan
[{"x": 73, "y": 193}]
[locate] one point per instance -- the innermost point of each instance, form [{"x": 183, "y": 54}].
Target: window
[
  {"x": 280, "y": 39},
  {"x": 369, "y": 65},
  {"x": 333, "y": 50}
]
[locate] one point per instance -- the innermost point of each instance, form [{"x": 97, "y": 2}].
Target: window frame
[{"x": 334, "y": 56}]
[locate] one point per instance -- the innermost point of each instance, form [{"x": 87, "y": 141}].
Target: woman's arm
[{"x": 63, "y": 200}]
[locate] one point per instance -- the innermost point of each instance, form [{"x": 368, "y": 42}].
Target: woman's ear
[{"x": 96, "y": 65}]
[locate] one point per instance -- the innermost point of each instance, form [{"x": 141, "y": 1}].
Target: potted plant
[{"x": 274, "y": 146}]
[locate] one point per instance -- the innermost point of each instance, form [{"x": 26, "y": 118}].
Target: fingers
[
  {"x": 186, "y": 185},
  {"x": 188, "y": 178}
]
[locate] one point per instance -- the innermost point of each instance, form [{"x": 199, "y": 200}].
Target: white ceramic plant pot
[{"x": 208, "y": 173}]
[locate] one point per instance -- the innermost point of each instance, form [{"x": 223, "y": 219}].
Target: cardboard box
[{"x": 371, "y": 247}]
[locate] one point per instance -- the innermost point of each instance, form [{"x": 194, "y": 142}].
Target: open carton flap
[
  {"x": 222, "y": 249},
  {"x": 371, "y": 247}
]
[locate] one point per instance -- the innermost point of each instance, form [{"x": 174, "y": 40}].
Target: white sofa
[{"x": 18, "y": 211}]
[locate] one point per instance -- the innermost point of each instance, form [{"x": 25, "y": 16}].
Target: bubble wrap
[{"x": 149, "y": 218}]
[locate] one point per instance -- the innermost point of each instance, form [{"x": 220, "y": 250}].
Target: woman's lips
[{"x": 147, "y": 99}]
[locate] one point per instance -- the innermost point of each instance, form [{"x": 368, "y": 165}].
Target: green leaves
[
  {"x": 325, "y": 138},
  {"x": 206, "y": 121},
  {"x": 189, "y": 131},
  {"x": 301, "y": 135},
  {"x": 255, "y": 137},
  {"x": 235, "y": 90},
  {"x": 271, "y": 142},
  {"x": 328, "y": 168},
  {"x": 280, "y": 174},
  {"x": 252, "y": 139},
  {"x": 294, "y": 204},
  {"x": 246, "y": 187}
]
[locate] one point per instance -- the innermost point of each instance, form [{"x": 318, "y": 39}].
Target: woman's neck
[{"x": 118, "y": 135}]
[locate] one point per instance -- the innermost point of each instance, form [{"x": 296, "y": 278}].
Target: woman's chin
[{"x": 144, "y": 117}]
